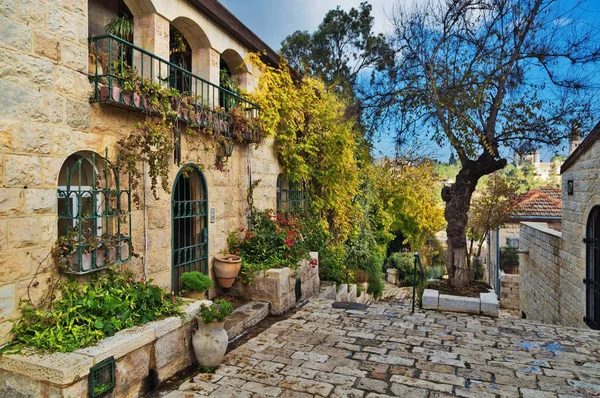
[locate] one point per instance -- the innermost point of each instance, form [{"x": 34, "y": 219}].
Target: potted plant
[
  {"x": 195, "y": 284},
  {"x": 226, "y": 268},
  {"x": 362, "y": 280},
  {"x": 210, "y": 340}
]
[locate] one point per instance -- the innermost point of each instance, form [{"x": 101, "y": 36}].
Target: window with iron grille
[
  {"x": 102, "y": 378},
  {"x": 94, "y": 214},
  {"x": 291, "y": 196}
]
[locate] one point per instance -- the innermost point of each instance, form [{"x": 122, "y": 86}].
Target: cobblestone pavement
[
  {"x": 395, "y": 293},
  {"x": 385, "y": 351}
]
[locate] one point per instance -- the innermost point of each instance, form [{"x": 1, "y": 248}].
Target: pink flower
[{"x": 289, "y": 242}]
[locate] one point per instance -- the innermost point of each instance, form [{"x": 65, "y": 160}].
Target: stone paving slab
[{"x": 385, "y": 351}]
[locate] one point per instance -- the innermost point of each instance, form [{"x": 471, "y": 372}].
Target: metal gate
[
  {"x": 592, "y": 276},
  {"x": 189, "y": 224}
]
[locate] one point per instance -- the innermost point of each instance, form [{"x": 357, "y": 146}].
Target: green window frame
[
  {"x": 94, "y": 214},
  {"x": 292, "y": 196}
]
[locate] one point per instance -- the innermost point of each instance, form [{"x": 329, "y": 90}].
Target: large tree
[
  {"x": 342, "y": 48},
  {"x": 481, "y": 76}
]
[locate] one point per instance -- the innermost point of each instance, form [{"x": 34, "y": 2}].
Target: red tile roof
[{"x": 541, "y": 202}]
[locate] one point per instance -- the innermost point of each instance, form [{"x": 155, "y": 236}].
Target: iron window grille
[
  {"x": 94, "y": 214},
  {"x": 102, "y": 378},
  {"x": 291, "y": 196}
]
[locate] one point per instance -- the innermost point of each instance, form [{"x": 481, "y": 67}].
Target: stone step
[
  {"x": 342, "y": 293},
  {"x": 327, "y": 291},
  {"x": 245, "y": 317}
]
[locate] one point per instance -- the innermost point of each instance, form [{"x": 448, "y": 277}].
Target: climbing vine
[{"x": 315, "y": 141}]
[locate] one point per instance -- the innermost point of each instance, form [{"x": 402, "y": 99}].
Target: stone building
[
  {"x": 560, "y": 271},
  {"x": 64, "y": 107}
]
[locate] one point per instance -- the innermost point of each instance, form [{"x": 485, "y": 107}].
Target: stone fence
[
  {"x": 510, "y": 286},
  {"x": 541, "y": 295}
]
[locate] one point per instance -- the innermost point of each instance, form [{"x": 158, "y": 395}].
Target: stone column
[
  {"x": 205, "y": 63},
  {"x": 151, "y": 32}
]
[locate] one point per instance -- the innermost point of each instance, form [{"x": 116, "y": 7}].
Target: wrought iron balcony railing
[{"x": 118, "y": 69}]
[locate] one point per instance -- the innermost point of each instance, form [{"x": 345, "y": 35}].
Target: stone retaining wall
[
  {"x": 510, "y": 286},
  {"x": 145, "y": 357},
  {"x": 545, "y": 293},
  {"x": 277, "y": 286}
]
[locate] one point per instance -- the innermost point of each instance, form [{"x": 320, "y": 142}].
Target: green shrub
[
  {"x": 217, "y": 311},
  {"x": 374, "y": 266},
  {"x": 195, "y": 281},
  {"x": 435, "y": 271},
  {"x": 404, "y": 263},
  {"x": 86, "y": 314},
  {"x": 276, "y": 241}
]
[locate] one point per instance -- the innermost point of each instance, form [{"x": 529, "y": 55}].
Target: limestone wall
[
  {"x": 585, "y": 174},
  {"x": 277, "y": 286},
  {"x": 46, "y": 116},
  {"x": 510, "y": 287},
  {"x": 545, "y": 293}
]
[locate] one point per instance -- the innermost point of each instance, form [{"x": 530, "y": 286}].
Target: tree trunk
[{"x": 458, "y": 200}]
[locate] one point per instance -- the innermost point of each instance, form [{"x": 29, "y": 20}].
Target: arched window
[
  {"x": 94, "y": 214},
  {"x": 291, "y": 196}
]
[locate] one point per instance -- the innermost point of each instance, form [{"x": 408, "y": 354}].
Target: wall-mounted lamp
[{"x": 570, "y": 187}]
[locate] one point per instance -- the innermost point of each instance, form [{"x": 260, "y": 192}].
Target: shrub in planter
[
  {"x": 210, "y": 340},
  {"x": 195, "y": 284},
  {"x": 86, "y": 314},
  {"x": 404, "y": 263},
  {"x": 362, "y": 279}
]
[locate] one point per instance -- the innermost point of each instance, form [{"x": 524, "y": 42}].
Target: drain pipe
[
  {"x": 249, "y": 182},
  {"x": 145, "y": 219}
]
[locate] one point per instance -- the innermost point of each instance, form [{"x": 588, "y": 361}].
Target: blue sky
[{"x": 274, "y": 20}]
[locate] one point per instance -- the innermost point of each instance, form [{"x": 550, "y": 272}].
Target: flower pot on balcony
[
  {"x": 130, "y": 98},
  {"x": 100, "y": 258},
  {"x": 226, "y": 268},
  {"x": 86, "y": 262},
  {"x": 114, "y": 95},
  {"x": 124, "y": 251}
]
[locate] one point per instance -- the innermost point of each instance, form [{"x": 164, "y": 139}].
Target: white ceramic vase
[{"x": 210, "y": 343}]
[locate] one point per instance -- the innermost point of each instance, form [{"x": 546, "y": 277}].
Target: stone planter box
[
  {"x": 145, "y": 357},
  {"x": 391, "y": 275},
  {"x": 277, "y": 286},
  {"x": 486, "y": 304}
]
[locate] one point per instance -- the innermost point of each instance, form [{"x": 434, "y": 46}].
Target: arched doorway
[
  {"x": 189, "y": 224},
  {"x": 592, "y": 269}
]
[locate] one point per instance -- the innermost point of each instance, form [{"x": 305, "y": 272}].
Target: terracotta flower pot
[
  {"x": 86, "y": 262},
  {"x": 226, "y": 267},
  {"x": 128, "y": 98},
  {"x": 194, "y": 295},
  {"x": 363, "y": 286},
  {"x": 210, "y": 343},
  {"x": 115, "y": 95}
]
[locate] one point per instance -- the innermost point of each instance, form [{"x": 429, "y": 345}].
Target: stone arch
[
  {"x": 140, "y": 7},
  {"x": 192, "y": 32},
  {"x": 234, "y": 61}
]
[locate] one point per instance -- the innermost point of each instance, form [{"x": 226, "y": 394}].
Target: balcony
[{"x": 127, "y": 76}]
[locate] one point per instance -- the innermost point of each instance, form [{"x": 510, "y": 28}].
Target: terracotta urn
[
  {"x": 210, "y": 343},
  {"x": 226, "y": 267},
  {"x": 363, "y": 286}
]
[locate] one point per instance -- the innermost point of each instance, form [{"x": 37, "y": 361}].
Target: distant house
[
  {"x": 560, "y": 271},
  {"x": 542, "y": 204}
]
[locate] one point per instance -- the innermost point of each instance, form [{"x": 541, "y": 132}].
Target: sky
[{"x": 274, "y": 20}]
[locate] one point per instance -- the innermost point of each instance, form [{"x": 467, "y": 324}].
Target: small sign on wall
[{"x": 213, "y": 215}]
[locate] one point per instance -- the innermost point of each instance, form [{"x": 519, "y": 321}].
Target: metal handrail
[
  {"x": 97, "y": 38},
  {"x": 113, "y": 56}
]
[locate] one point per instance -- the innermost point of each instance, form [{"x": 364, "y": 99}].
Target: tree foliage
[
  {"x": 490, "y": 208},
  {"x": 341, "y": 47},
  {"x": 481, "y": 75},
  {"x": 407, "y": 191}
]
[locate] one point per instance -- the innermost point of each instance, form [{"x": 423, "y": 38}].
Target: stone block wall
[
  {"x": 277, "y": 286},
  {"x": 46, "y": 116},
  {"x": 510, "y": 287},
  {"x": 145, "y": 357},
  {"x": 545, "y": 294}
]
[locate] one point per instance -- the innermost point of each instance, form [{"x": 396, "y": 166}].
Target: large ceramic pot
[
  {"x": 226, "y": 267},
  {"x": 210, "y": 343}
]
